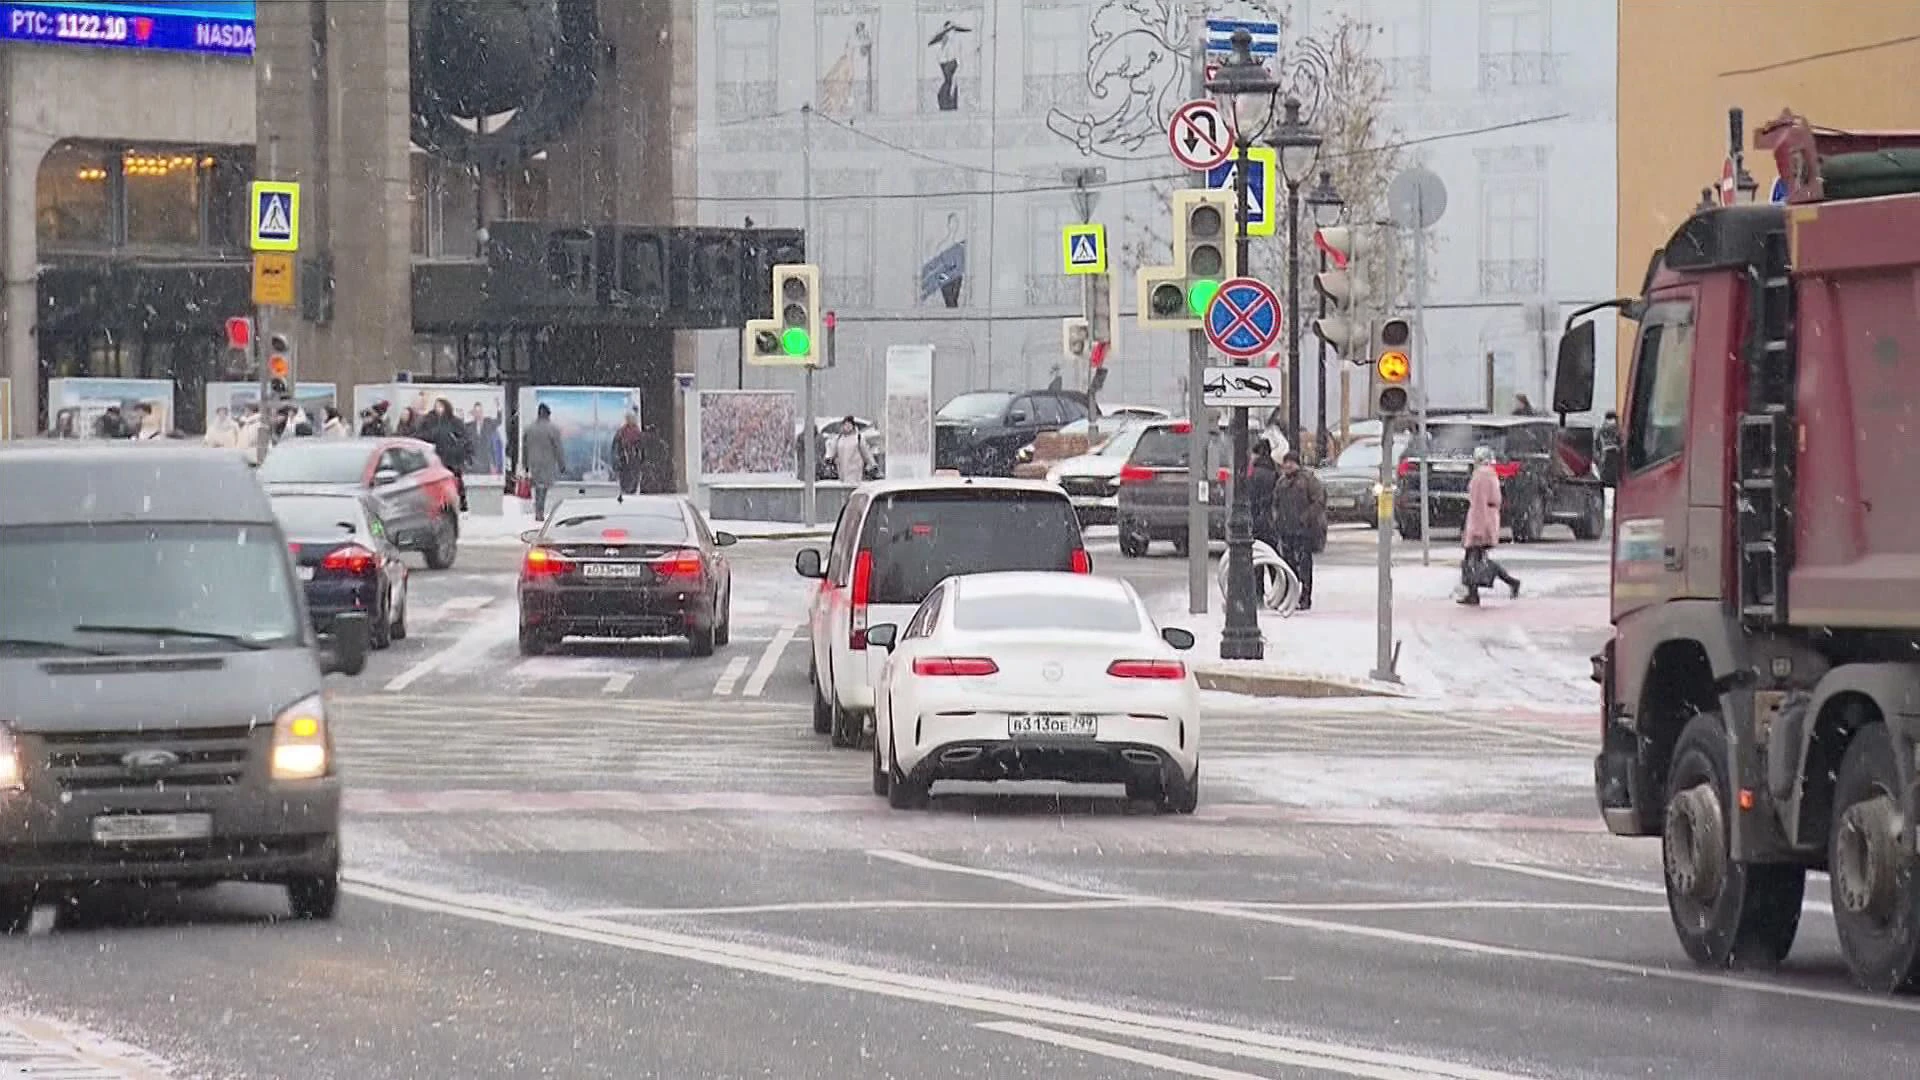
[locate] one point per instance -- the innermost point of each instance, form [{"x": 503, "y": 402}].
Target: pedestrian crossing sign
[
  {"x": 275, "y": 218},
  {"x": 1083, "y": 249}
]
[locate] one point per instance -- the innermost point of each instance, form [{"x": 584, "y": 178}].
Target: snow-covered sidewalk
[
  {"x": 516, "y": 517},
  {"x": 1525, "y": 654}
]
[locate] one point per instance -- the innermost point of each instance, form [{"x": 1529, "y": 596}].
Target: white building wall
[{"x": 1043, "y": 85}]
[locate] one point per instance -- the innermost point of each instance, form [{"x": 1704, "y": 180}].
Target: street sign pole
[
  {"x": 263, "y": 324},
  {"x": 1240, "y": 636},
  {"x": 1198, "y": 427}
]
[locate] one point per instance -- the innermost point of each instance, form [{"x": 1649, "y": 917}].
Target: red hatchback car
[{"x": 416, "y": 495}]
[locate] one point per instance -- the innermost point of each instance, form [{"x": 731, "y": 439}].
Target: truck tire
[
  {"x": 1728, "y": 914},
  {"x": 1876, "y": 902}
]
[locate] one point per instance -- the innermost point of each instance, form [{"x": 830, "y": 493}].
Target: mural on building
[
  {"x": 847, "y": 59},
  {"x": 945, "y": 270},
  {"x": 945, "y": 44}
]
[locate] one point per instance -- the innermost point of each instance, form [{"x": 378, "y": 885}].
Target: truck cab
[{"x": 1760, "y": 695}]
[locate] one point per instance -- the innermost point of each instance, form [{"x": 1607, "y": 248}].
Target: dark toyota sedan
[
  {"x": 345, "y": 559},
  {"x": 642, "y": 566}
]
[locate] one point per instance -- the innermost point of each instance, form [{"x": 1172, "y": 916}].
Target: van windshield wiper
[
  {"x": 173, "y": 631},
  {"x": 63, "y": 646}
]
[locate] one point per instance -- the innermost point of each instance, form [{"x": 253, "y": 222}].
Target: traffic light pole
[
  {"x": 1240, "y": 637},
  {"x": 1198, "y": 428},
  {"x": 1320, "y": 384},
  {"x": 1383, "y": 657},
  {"x": 810, "y": 454},
  {"x": 1420, "y": 386}
]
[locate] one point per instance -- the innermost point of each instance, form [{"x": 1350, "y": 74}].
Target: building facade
[
  {"x": 1683, "y": 63},
  {"x": 922, "y": 144}
]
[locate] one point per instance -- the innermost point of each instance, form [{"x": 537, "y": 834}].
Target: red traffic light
[
  {"x": 239, "y": 332},
  {"x": 829, "y": 320},
  {"x": 1098, "y": 356}
]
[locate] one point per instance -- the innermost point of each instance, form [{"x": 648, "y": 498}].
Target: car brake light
[
  {"x": 955, "y": 665},
  {"x": 352, "y": 559},
  {"x": 1181, "y": 428},
  {"x": 613, "y": 536},
  {"x": 862, "y": 588},
  {"x": 1082, "y": 562},
  {"x": 1405, "y": 469},
  {"x": 1135, "y": 474},
  {"x": 1222, "y": 477},
  {"x": 543, "y": 563},
  {"x": 1507, "y": 470},
  {"x": 684, "y": 563},
  {"x": 1147, "y": 669}
]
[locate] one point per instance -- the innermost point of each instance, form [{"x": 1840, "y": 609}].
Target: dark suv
[
  {"x": 1152, "y": 504},
  {"x": 980, "y": 433},
  {"x": 1545, "y": 476}
]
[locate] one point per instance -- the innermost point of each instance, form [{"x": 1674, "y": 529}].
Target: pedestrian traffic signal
[
  {"x": 1393, "y": 366},
  {"x": 1204, "y": 256},
  {"x": 792, "y": 336},
  {"x": 1344, "y": 286}
]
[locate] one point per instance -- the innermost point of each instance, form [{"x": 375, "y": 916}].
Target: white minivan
[{"x": 895, "y": 541}]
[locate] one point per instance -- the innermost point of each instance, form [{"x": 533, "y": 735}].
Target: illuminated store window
[{"x": 73, "y": 202}]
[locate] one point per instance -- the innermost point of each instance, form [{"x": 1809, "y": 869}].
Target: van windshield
[
  {"x": 145, "y": 588},
  {"x": 919, "y": 539}
]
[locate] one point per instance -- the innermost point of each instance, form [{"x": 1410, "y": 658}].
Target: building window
[
  {"x": 1046, "y": 286},
  {"x": 950, "y": 55},
  {"x": 1404, "y": 44},
  {"x": 747, "y": 62},
  {"x": 1515, "y": 44},
  {"x": 846, "y": 254},
  {"x": 845, "y": 63},
  {"x": 163, "y": 197},
  {"x": 73, "y": 197},
  {"x": 1512, "y": 255},
  {"x": 1055, "y": 46}
]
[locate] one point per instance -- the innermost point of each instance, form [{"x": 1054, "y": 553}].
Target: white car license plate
[
  {"x": 1023, "y": 725},
  {"x": 614, "y": 570},
  {"x": 1450, "y": 466},
  {"x": 306, "y": 573},
  {"x": 136, "y": 828},
  {"x": 1343, "y": 504}
]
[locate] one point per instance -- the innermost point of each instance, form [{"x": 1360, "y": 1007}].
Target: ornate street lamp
[{"x": 1326, "y": 206}]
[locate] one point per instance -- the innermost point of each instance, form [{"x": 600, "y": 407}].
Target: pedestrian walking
[
  {"x": 451, "y": 441},
  {"x": 628, "y": 455},
  {"x": 1263, "y": 476},
  {"x": 851, "y": 457},
  {"x": 222, "y": 432},
  {"x": 333, "y": 427},
  {"x": 1481, "y": 533},
  {"x": 373, "y": 422},
  {"x": 1300, "y": 520},
  {"x": 546, "y": 459}
]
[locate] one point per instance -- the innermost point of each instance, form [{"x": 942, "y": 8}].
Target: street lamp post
[
  {"x": 1326, "y": 206},
  {"x": 1298, "y": 144},
  {"x": 1242, "y": 76}
]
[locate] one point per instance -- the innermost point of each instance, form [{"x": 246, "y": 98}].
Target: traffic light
[
  {"x": 280, "y": 365},
  {"x": 1344, "y": 287},
  {"x": 792, "y": 336},
  {"x": 1176, "y": 297},
  {"x": 1073, "y": 338},
  {"x": 1393, "y": 366}
]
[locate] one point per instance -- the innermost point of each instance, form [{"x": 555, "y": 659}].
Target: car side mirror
[
  {"x": 385, "y": 476},
  {"x": 724, "y": 539},
  {"x": 885, "y": 635},
  {"x": 1178, "y": 638},
  {"x": 1573, "y": 374},
  {"x": 344, "y": 650},
  {"x": 807, "y": 564},
  {"x": 530, "y": 537}
]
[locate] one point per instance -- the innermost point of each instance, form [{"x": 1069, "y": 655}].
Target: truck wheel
[
  {"x": 1727, "y": 913},
  {"x": 16, "y": 909},
  {"x": 1876, "y": 902}
]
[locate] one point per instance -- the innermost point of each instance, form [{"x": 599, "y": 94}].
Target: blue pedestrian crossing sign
[
  {"x": 1083, "y": 249},
  {"x": 1243, "y": 320},
  {"x": 275, "y": 217},
  {"x": 1260, "y": 186},
  {"x": 1779, "y": 192}
]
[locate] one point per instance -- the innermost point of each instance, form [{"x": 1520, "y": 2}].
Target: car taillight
[
  {"x": 543, "y": 563},
  {"x": 1406, "y": 469},
  {"x": 1181, "y": 428},
  {"x": 1135, "y": 474},
  {"x": 1082, "y": 562},
  {"x": 684, "y": 563},
  {"x": 862, "y": 588},
  {"x": 1507, "y": 470},
  {"x": 955, "y": 665},
  {"x": 352, "y": 559},
  {"x": 1147, "y": 669},
  {"x": 1222, "y": 477}
]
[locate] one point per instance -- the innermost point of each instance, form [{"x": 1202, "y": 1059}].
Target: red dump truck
[{"x": 1761, "y": 690}]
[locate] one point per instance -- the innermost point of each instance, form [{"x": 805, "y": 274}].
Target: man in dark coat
[
  {"x": 1300, "y": 518},
  {"x": 627, "y": 455},
  {"x": 1262, "y": 477}
]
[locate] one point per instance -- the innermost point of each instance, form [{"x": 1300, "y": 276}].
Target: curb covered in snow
[{"x": 1290, "y": 684}]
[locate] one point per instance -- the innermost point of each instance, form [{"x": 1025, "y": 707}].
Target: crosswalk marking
[
  {"x": 736, "y": 667},
  {"x": 769, "y": 660}
]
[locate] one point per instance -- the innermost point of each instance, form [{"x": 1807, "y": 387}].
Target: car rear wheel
[
  {"x": 380, "y": 634},
  {"x": 400, "y": 617},
  {"x": 882, "y": 781},
  {"x": 701, "y": 639},
  {"x": 446, "y": 544},
  {"x": 16, "y": 909},
  {"x": 822, "y": 712},
  {"x": 314, "y": 896},
  {"x": 723, "y": 632},
  {"x": 904, "y": 794},
  {"x": 1182, "y": 796},
  {"x": 533, "y": 643}
]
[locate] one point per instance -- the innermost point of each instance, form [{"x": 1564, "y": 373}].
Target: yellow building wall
[{"x": 1848, "y": 64}]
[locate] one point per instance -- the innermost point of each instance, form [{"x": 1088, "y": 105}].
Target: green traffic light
[
  {"x": 1200, "y": 296},
  {"x": 796, "y": 341}
]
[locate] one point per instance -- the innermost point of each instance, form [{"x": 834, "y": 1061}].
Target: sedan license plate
[
  {"x": 141, "y": 828},
  {"x": 1343, "y": 504},
  {"x": 613, "y": 570},
  {"x": 1451, "y": 466},
  {"x": 306, "y": 573},
  {"x": 1027, "y": 725}
]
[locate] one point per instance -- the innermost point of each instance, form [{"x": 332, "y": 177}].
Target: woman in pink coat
[{"x": 1482, "y": 531}]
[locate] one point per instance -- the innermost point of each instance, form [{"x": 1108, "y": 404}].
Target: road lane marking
[
  {"x": 30, "y": 1046},
  {"x": 796, "y": 907},
  {"x": 473, "y": 643},
  {"x": 1459, "y": 945},
  {"x": 770, "y": 659},
  {"x": 1025, "y": 881},
  {"x": 736, "y": 667},
  {"x": 451, "y": 606},
  {"x": 946, "y": 992},
  {"x": 1641, "y": 887},
  {"x": 1152, "y": 1060},
  {"x": 616, "y": 683}
]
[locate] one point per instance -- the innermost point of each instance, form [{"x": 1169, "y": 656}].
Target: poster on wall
[
  {"x": 230, "y": 400},
  {"x": 588, "y": 417},
  {"x": 79, "y": 408},
  {"x": 480, "y": 406},
  {"x": 747, "y": 434},
  {"x": 908, "y": 420},
  {"x": 6, "y": 408}
]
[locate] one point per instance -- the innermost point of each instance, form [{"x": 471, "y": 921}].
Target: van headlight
[
  {"x": 301, "y": 748},
  {"x": 12, "y": 777}
]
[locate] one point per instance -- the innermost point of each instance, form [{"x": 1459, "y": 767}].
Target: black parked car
[
  {"x": 980, "y": 433},
  {"x": 1546, "y": 477}
]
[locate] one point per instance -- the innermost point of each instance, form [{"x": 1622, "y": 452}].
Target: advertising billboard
[{"x": 219, "y": 27}]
